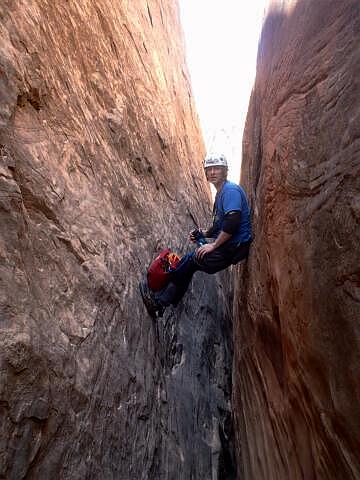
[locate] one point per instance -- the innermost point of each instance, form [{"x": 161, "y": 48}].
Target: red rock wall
[
  {"x": 100, "y": 169},
  {"x": 297, "y": 364}
]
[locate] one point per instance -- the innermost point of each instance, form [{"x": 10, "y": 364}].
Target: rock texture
[
  {"x": 297, "y": 366},
  {"x": 100, "y": 169}
]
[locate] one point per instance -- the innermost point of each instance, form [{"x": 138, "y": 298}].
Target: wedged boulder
[
  {"x": 297, "y": 364},
  {"x": 100, "y": 168}
]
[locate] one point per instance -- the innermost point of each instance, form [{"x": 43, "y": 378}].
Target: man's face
[{"x": 216, "y": 175}]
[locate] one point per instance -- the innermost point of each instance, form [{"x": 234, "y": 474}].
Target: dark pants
[{"x": 212, "y": 262}]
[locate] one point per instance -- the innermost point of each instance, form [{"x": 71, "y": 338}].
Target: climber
[{"x": 230, "y": 231}]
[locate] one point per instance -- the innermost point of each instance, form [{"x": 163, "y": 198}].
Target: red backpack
[{"x": 160, "y": 268}]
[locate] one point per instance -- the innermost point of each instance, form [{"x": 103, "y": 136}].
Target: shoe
[
  {"x": 161, "y": 310},
  {"x": 153, "y": 307}
]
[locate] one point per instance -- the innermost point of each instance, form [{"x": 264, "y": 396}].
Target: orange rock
[
  {"x": 101, "y": 166},
  {"x": 297, "y": 367}
]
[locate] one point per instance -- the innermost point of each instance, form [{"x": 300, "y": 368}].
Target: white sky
[{"x": 221, "y": 45}]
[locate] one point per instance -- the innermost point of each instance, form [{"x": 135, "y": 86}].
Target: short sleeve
[{"x": 231, "y": 200}]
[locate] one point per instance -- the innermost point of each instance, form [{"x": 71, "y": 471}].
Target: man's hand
[
  {"x": 191, "y": 234},
  {"x": 210, "y": 247},
  {"x": 200, "y": 252}
]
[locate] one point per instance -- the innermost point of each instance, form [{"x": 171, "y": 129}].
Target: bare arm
[
  {"x": 230, "y": 225},
  {"x": 210, "y": 247}
]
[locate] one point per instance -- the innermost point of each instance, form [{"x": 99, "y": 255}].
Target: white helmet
[{"x": 215, "y": 161}]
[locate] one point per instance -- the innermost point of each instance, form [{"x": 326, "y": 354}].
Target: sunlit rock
[{"x": 100, "y": 169}]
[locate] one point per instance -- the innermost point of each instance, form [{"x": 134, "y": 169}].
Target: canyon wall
[
  {"x": 297, "y": 362},
  {"x": 100, "y": 168}
]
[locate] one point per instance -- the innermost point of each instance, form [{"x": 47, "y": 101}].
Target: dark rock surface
[
  {"x": 297, "y": 365},
  {"x": 196, "y": 354},
  {"x": 100, "y": 169}
]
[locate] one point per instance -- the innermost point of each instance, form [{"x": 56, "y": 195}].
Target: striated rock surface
[
  {"x": 100, "y": 168},
  {"x": 297, "y": 366}
]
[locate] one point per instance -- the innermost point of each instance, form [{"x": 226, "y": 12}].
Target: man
[{"x": 231, "y": 232}]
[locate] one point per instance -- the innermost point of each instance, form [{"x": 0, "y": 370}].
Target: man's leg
[
  {"x": 211, "y": 263},
  {"x": 180, "y": 281},
  {"x": 223, "y": 257}
]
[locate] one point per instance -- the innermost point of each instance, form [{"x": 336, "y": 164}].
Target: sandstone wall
[
  {"x": 100, "y": 169},
  {"x": 297, "y": 372}
]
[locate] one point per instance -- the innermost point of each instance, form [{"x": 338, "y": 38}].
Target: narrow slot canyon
[{"x": 255, "y": 374}]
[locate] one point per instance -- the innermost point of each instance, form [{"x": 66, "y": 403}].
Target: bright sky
[{"x": 221, "y": 45}]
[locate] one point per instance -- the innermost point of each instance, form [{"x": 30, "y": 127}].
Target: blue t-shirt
[{"x": 232, "y": 198}]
